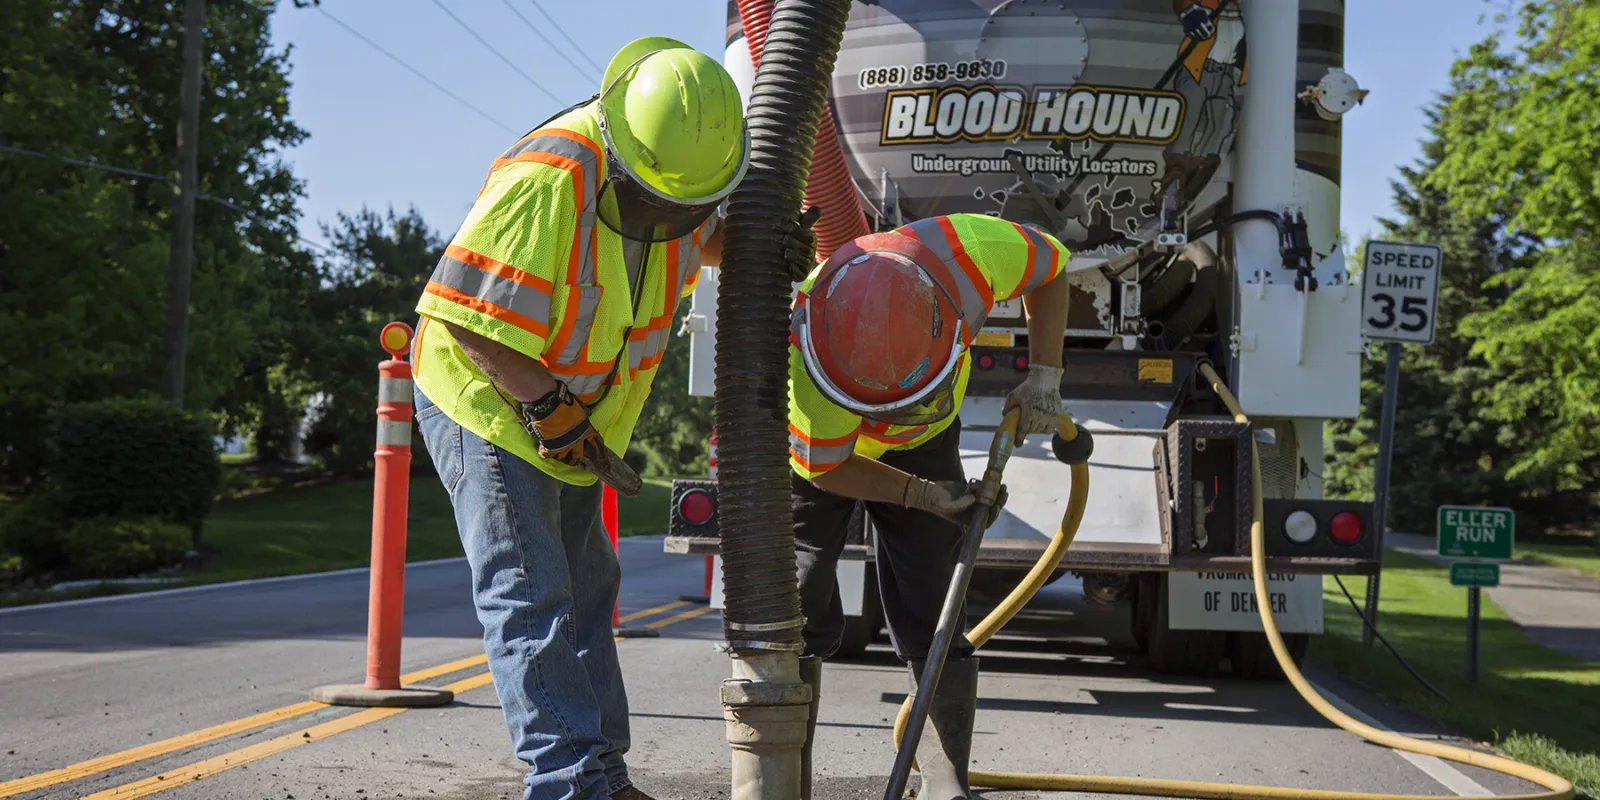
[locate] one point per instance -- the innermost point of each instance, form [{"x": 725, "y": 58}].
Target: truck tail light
[
  {"x": 1300, "y": 527},
  {"x": 1345, "y": 528},
  {"x": 696, "y": 507}
]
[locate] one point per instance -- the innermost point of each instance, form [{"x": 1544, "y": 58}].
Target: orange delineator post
[
  {"x": 386, "y": 594},
  {"x": 608, "y": 518},
  {"x": 390, "y": 489}
]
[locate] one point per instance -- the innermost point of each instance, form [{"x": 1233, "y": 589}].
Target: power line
[
  {"x": 564, "y": 35},
  {"x": 413, "y": 70},
  {"x": 490, "y": 48},
  {"x": 165, "y": 179},
  {"x": 532, "y": 27},
  {"x": 90, "y": 164}
]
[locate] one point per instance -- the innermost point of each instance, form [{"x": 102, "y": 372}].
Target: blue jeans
[{"x": 544, "y": 581}]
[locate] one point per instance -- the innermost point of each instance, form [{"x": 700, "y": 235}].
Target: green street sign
[
  {"x": 1483, "y": 534},
  {"x": 1468, "y": 573}
]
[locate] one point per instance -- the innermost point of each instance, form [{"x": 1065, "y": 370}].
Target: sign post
[
  {"x": 1399, "y": 302},
  {"x": 1476, "y": 535}
]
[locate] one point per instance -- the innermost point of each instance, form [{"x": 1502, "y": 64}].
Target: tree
[
  {"x": 331, "y": 351},
  {"x": 85, "y": 250},
  {"x": 1523, "y": 149},
  {"x": 1500, "y": 409},
  {"x": 671, "y": 437}
]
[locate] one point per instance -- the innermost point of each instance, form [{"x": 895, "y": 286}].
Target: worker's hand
[
  {"x": 945, "y": 498},
  {"x": 1038, "y": 399},
  {"x": 1197, "y": 23},
  {"x": 800, "y": 245},
  {"x": 1000, "y": 498},
  {"x": 562, "y": 429}
]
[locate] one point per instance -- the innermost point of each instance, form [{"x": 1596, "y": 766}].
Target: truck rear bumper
[{"x": 1087, "y": 557}]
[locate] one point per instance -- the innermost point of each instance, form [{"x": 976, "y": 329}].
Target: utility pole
[{"x": 175, "y": 345}]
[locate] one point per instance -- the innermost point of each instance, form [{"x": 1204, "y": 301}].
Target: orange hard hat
[{"x": 881, "y": 331}]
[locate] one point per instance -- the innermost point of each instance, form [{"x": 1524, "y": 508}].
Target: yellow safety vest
[
  {"x": 992, "y": 260},
  {"x": 534, "y": 269}
]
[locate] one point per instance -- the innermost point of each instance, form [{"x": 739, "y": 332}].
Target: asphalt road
[{"x": 144, "y": 695}]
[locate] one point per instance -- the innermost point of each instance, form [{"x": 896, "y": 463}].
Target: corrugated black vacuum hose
[{"x": 791, "y": 89}]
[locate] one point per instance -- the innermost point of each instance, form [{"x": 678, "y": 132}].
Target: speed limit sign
[{"x": 1400, "y": 291}]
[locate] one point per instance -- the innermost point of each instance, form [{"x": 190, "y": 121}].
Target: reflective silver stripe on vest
[
  {"x": 394, "y": 433},
  {"x": 688, "y": 267},
  {"x": 565, "y": 147},
  {"x": 974, "y": 311},
  {"x": 1043, "y": 253},
  {"x": 588, "y": 302},
  {"x": 583, "y": 385},
  {"x": 817, "y": 458},
  {"x": 505, "y": 293},
  {"x": 654, "y": 343},
  {"x": 394, "y": 390}
]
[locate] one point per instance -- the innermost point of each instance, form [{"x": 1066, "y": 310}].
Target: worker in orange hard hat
[{"x": 878, "y": 367}]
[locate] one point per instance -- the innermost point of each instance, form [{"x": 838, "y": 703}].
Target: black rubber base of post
[
  {"x": 694, "y": 598},
  {"x": 355, "y": 694},
  {"x": 635, "y": 633}
]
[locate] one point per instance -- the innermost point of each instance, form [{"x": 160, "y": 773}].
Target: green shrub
[
  {"x": 134, "y": 458},
  {"x": 30, "y": 529},
  {"x": 112, "y": 547}
]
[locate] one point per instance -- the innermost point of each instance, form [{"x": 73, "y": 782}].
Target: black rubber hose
[
  {"x": 1166, "y": 288},
  {"x": 786, "y": 104},
  {"x": 1202, "y": 299}
]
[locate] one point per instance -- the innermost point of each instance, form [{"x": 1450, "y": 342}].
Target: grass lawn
[
  {"x": 327, "y": 527},
  {"x": 1572, "y": 556},
  {"x": 1536, "y": 705}
]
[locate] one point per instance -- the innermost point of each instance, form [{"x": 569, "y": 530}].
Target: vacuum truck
[{"x": 1188, "y": 153}]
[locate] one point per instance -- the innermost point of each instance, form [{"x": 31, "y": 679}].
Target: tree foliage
[
  {"x": 331, "y": 352},
  {"x": 82, "y": 289},
  {"x": 1522, "y": 145},
  {"x": 1502, "y": 409}
]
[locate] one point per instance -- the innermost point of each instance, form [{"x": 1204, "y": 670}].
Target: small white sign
[
  {"x": 1400, "y": 291},
  {"x": 1226, "y": 601},
  {"x": 1006, "y": 309}
]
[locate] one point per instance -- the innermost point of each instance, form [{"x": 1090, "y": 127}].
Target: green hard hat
[{"x": 673, "y": 118}]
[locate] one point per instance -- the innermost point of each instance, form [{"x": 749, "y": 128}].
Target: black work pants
[{"x": 915, "y": 554}]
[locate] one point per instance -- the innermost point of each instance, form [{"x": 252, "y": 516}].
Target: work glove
[
  {"x": 949, "y": 499},
  {"x": 945, "y": 498},
  {"x": 800, "y": 245},
  {"x": 1197, "y": 23},
  {"x": 1038, "y": 399},
  {"x": 562, "y": 429}
]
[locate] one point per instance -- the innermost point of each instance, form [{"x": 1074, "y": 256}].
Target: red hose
[{"x": 829, "y": 184}]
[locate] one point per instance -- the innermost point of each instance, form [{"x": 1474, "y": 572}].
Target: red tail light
[
  {"x": 696, "y": 507},
  {"x": 1022, "y": 362},
  {"x": 1345, "y": 528}
]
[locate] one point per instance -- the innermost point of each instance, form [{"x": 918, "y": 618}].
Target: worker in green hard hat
[{"x": 541, "y": 331}]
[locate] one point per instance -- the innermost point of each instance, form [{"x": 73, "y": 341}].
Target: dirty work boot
[
  {"x": 630, "y": 793},
  {"x": 811, "y": 674},
  {"x": 945, "y": 751}
]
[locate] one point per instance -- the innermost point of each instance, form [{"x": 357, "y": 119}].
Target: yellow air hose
[{"x": 1559, "y": 788}]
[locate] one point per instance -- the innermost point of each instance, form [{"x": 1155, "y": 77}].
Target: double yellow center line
[{"x": 193, "y": 772}]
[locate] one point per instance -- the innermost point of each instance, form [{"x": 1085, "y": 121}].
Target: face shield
[{"x": 636, "y": 210}]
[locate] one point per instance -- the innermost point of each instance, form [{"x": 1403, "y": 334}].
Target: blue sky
[{"x": 381, "y": 136}]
